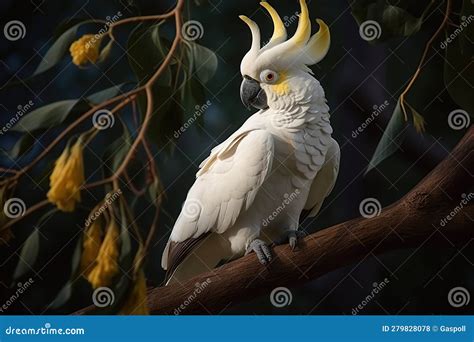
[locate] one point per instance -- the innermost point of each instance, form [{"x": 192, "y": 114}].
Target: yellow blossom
[
  {"x": 106, "y": 267},
  {"x": 91, "y": 247},
  {"x": 67, "y": 178},
  {"x": 85, "y": 50},
  {"x": 136, "y": 302}
]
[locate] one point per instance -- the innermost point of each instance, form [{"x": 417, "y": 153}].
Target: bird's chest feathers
[{"x": 302, "y": 150}]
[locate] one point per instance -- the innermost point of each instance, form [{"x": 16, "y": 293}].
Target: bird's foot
[
  {"x": 293, "y": 237},
  {"x": 260, "y": 248}
]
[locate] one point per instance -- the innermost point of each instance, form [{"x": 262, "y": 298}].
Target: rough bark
[{"x": 412, "y": 221}]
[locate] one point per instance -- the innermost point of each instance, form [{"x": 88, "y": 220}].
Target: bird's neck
[{"x": 305, "y": 98}]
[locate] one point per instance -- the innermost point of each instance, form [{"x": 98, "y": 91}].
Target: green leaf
[
  {"x": 65, "y": 293},
  {"x": 391, "y": 139},
  {"x": 28, "y": 255},
  {"x": 105, "y": 94},
  {"x": 459, "y": 66},
  {"x": 200, "y": 65},
  {"x": 57, "y": 51},
  {"x": 126, "y": 256},
  {"x": 55, "y": 113},
  {"x": 62, "y": 297},
  {"x": 394, "y": 21},
  {"x": 66, "y": 25},
  {"x": 418, "y": 121},
  {"x": 76, "y": 257},
  {"x": 146, "y": 50},
  {"x": 167, "y": 116},
  {"x": 154, "y": 190},
  {"x": 399, "y": 22},
  {"x": 159, "y": 42},
  {"x": 22, "y": 146},
  {"x": 203, "y": 61},
  {"x": 116, "y": 152},
  {"x": 47, "y": 116},
  {"x": 105, "y": 52},
  {"x": 193, "y": 98},
  {"x": 122, "y": 147}
]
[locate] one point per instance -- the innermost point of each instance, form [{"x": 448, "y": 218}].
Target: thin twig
[
  {"x": 30, "y": 210},
  {"x": 423, "y": 57},
  {"x": 124, "y": 100},
  {"x": 157, "y": 201},
  {"x": 149, "y": 92},
  {"x": 132, "y": 187}
]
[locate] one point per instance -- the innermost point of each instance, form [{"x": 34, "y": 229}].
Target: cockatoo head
[{"x": 277, "y": 69}]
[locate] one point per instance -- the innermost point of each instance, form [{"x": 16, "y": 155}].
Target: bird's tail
[{"x": 202, "y": 257}]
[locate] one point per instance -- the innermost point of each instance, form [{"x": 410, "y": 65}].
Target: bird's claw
[
  {"x": 293, "y": 237},
  {"x": 260, "y": 248}
]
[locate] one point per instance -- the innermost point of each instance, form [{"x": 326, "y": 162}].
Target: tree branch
[{"x": 413, "y": 221}]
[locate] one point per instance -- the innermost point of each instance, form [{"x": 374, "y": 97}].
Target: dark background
[{"x": 356, "y": 75}]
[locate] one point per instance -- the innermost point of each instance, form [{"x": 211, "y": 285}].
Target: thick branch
[{"x": 412, "y": 221}]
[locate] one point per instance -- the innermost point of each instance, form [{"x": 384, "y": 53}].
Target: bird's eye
[{"x": 268, "y": 76}]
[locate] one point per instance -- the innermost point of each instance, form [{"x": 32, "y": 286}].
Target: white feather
[
  {"x": 324, "y": 181},
  {"x": 227, "y": 182}
]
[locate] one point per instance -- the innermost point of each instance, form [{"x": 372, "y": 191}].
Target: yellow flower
[
  {"x": 91, "y": 247},
  {"x": 106, "y": 267},
  {"x": 136, "y": 302},
  {"x": 67, "y": 178},
  {"x": 85, "y": 50}
]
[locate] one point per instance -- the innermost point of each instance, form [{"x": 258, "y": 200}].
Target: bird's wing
[
  {"x": 226, "y": 185},
  {"x": 324, "y": 181}
]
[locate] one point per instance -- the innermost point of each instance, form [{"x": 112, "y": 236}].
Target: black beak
[{"x": 252, "y": 95}]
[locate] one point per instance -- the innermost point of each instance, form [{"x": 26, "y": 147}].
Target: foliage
[
  {"x": 178, "y": 87},
  {"x": 167, "y": 69},
  {"x": 407, "y": 19}
]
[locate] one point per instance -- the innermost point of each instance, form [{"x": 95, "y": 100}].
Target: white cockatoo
[{"x": 252, "y": 189}]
